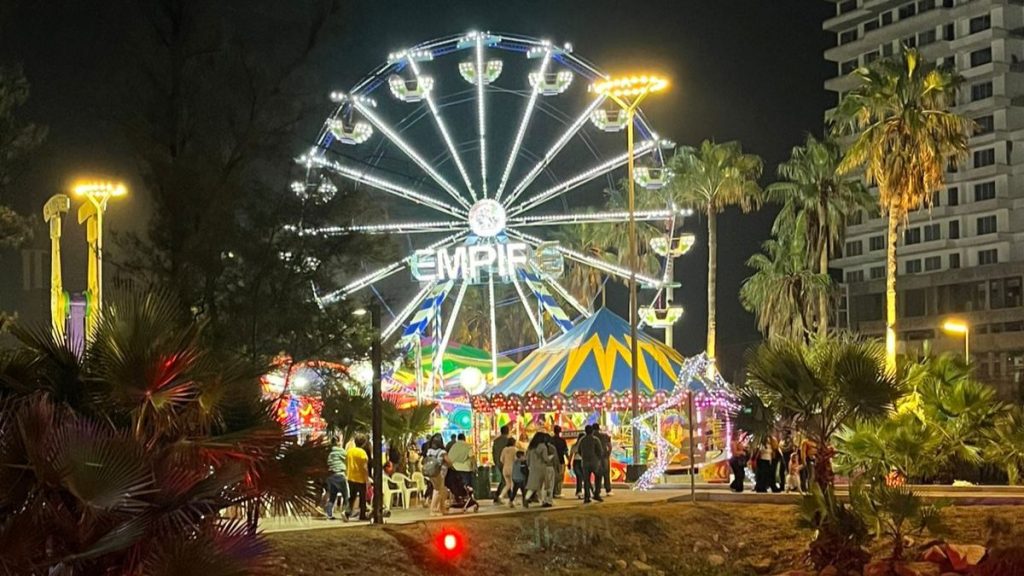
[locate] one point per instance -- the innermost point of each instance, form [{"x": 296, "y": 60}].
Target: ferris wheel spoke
[
  {"x": 557, "y": 190},
  {"x": 494, "y": 330},
  {"x": 596, "y": 263},
  {"x": 439, "y": 350},
  {"x": 409, "y": 308},
  {"x": 589, "y": 218},
  {"x": 531, "y": 104},
  {"x": 481, "y": 113},
  {"x": 385, "y": 271},
  {"x": 363, "y": 176},
  {"x": 554, "y": 150},
  {"x": 397, "y": 228},
  {"x": 529, "y": 310},
  {"x": 564, "y": 293},
  {"x": 443, "y": 129},
  {"x": 405, "y": 147}
]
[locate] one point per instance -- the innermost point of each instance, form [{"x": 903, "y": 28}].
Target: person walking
[
  {"x": 448, "y": 446},
  {"x": 577, "y": 464},
  {"x": 337, "y": 483},
  {"x": 606, "y": 464},
  {"x": 509, "y": 462},
  {"x": 738, "y": 464},
  {"x": 358, "y": 476},
  {"x": 463, "y": 460},
  {"x": 808, "y": 459},
  {"x": 761, "y": 462},
  {"x": 788, "y": 448},
  {"x": 561, "y": 453},
  {"x": 591, "y": 453},
  {"x": 549, "y": 475},
  {"x": 435, "y": 466},
  {"x": 497, "y": 449},
  {"x": 429, "y": 491},
  {"x": 538, "y": 457}
]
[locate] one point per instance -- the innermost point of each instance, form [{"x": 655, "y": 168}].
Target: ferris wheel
[{"x": 481, "y": 142}]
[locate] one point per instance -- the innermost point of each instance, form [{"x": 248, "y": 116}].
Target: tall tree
[
  {"x": 817, "y": 204},
  {"x": 709, "y": 179},
  {"x": 783, "y": 291},
  {"x": 17, "y": 140},
  {"x": 905, "y": 136}
]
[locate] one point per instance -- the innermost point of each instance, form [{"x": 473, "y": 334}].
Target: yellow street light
[
  {"x": 627, "y": 92},
  {"x": 96, "y": 194},
  {"x": 960, "y": 327}
]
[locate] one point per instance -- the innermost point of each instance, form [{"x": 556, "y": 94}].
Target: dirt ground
[{"x": 705, "y": 539}]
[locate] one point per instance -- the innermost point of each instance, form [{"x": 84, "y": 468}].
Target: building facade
[{"x": 964, "y": 257}]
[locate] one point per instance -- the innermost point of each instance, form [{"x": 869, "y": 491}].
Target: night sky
[{"x": 748, "y": 70}]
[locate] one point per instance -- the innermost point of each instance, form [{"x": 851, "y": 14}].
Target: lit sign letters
[{"x": 474, "y": 263}]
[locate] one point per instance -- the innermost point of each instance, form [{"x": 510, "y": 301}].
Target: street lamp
[
  {"x": 96, "y": 193},
  {"x": 628, "y": 92},
  {"x": 960, "y": 327},
  {"x": 377, "y": 408}
]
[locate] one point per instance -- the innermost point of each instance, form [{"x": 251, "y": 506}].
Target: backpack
[{"x": 431, "y": 466}]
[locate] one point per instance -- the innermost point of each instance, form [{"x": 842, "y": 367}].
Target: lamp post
[
  {"x": 377, "y": 408},
  {"x": 96, "y": 194},
  {"x": 627, "y": 93},
  {"x": 53, "y": 213},
  {"x": 960, "y": 327}
]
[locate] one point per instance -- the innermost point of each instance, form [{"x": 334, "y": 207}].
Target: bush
[{"x": 840, "y": 533}]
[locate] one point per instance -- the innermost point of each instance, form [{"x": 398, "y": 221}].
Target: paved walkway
[{"x": 958, "y": 495}]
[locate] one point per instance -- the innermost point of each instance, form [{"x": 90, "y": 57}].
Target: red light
[{"x": 450, "y": 542}]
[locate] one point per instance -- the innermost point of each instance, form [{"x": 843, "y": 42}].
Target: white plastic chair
[
  {"x": 420, "y": 481},
  {"x": 407, "y": 487},
  {"x": 392, "y": 489}
]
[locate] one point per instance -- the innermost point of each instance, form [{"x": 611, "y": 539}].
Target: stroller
[{"x": 462, "y": 493}]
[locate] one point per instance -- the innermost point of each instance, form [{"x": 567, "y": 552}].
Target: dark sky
[{"x": 750, "y": 70}]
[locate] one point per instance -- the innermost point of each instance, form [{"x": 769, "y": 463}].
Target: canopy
[
  {"x": 591, "y": 362},
  {"x": 456, "y": 358}
]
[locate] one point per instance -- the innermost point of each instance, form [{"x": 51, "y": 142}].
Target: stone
[
  {"x": 716, "y": 559},
  {"x": 964, "y": 556},
  {"x": 917, "y": 569},
  {"x": 642, "y": 556},
  {"x": 621, "y": 564},
  {"x": 829, "y": 570},
  {"x": 641, "y": 566},
  {"x": 761, "y": 565}
]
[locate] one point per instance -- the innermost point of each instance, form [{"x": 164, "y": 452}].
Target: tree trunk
[
  {"x": 890, "y": 293},
  {"x": 712, "y": 282},
  {"x": 823, "y": 269}
]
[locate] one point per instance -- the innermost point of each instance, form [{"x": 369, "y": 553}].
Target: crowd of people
[{"x": 777, "y": 465}]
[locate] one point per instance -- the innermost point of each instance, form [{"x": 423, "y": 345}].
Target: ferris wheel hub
[{"x": 487, "y": 218}]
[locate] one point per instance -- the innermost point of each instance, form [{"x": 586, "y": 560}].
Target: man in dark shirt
[
  {"x": 606, "y": 463},
  {"x": 562, "y": 450},
  {"x": 592, "y": 453},
  {"x": 497, "y": 446}
]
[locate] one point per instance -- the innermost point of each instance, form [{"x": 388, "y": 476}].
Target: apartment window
[
  {"x": 910, "y": 41},
  {"x": 870, "y": 25},
  {"x": 925, "y": 5},
  {"x": 914, "y": 303},
  {"x": 936, "y": 199},
  {"x": 952, "y": 196},
  {"x": 870, "y": 57},
  {"x": 949, "y": 31},
  {"x": 848, "y": 6},
  {"x": 954, "y": 229},
  {"x": 886, "y": 18},
  {"x": 952, "y": 166},
  {"x": 847, "y": 67},
  {"x": 983, "y": 56},
  {"x": 876, "y": 243},
  {"x": 887, "y": 49},
  {"x": 1005, "y": 293},
  {"x": 907, "y": 10},
  {"x": 912, "y": 236},
  {"x": 984, "y": 191},
  {"x": 848, "y": 36},
  {"x": 986, "y": 225},
  {"x": 877, "y": 272},
  {"x": 980, "y": 91},
  {"x": 984, "y": 124},
  {"x": 980, "y": 23},
  {"x": 926, "y": 38},
  {"x": 932, "y": 232},
  {"x": 986, "y": 157},
  {"x": 988, "y": 257},
  {"x": 913, "y": 266},
  {"x": 853, "y": 248},
  {"x": 954, "y": 261},
  {"x": 854, "y": 276},
  {"x": 932, "y": 263}
]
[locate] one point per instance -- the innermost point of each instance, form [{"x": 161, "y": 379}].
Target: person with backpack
[
  {"x": 591, "y": 453},
  {"x": 435, "y": 466}
]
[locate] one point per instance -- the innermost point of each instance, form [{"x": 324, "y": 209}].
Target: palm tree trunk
[
  {"x": 712, "y": 282},
  {"x": 823, "y": 268},
  {"x": 890, "y": 293}
]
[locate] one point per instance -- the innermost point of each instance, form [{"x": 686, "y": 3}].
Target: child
[
  {"x": 519, "y": 475},
  {"x": 793, "y": 475}
]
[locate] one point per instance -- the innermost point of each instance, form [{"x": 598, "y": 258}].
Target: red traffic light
[{"x": 450, "y": 543}]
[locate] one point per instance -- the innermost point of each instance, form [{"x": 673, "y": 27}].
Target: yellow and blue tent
[{"x": 593, "y": 359}]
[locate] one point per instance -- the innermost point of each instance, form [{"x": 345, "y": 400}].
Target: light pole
[
  {"x": 53, "y": 213},
  {"x": 960, "y": 327},
  {"x": 628, "y": 92},
  {"x": 377, "y": 409},
  {"x": 97, "y": 194}
]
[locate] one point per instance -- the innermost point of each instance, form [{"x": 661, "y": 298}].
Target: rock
[
  {"x": 917, "y": 569},
  {"x": 964, "y": 556},
  {"x": 829, "y": 570},
  {"x": 642, "y": 556},
  {"x": 716, "y": 559},
  {"x": 621, "y": 564},
  {"x": 641, "y": 566},
  {"x": 761, "y": 565}
]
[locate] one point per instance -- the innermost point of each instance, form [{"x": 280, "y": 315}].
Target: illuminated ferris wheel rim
[{"x": 478, "y": 209}]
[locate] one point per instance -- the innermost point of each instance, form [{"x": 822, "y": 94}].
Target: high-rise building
[{"x": 963, "y": 258}]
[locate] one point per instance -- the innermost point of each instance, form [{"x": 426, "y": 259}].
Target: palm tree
[
  {"x": 782, "y": 291},
  {"x": 1006, "y": 444},
  {"x": 905, "y": 137},
  {"x": 818, "y": 388},
  {"x": 818, "y": 203},
  {"x": 709, "y": 179}
]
